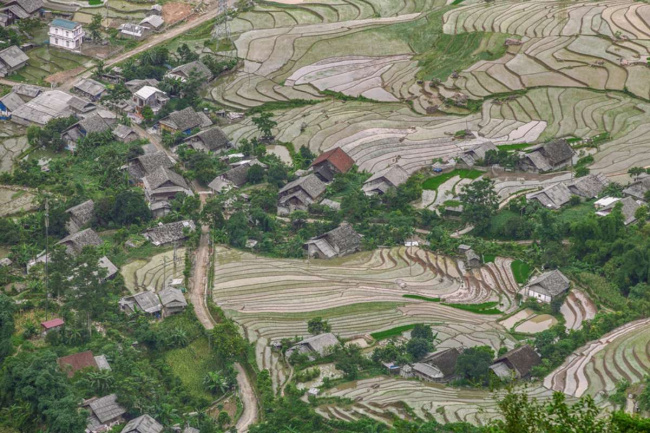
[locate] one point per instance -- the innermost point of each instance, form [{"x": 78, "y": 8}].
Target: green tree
[
  {"x": 7, "y": 326},
  {"x": 474, "y": 363},
  {"x": 130, "y": 208},
  {"x": 480, "y": 202},
  {"x": 636, "y": 171},
  {"x": 186, "y": 55},
  {"x": 255, "y": 174},
  {"x": 422, "y": 331},
  {"x": 317, "y": 326},
  {"x": 418, "y": 348},
  {"x": 95, "y": 27},
  {"x": 147, "y": 113},
  {"x": 265, "y": 124}
]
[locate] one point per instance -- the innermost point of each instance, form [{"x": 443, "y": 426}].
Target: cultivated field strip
[
  {"x": 359, "y": 294},
  {"x": 553, "y": 18},
  {"x": 577, "y": 308},
  {"x": 153, "y": 273},
  {"x": 378, "y": 135},
  {"x": 621, "y": 354},
  {"x": 561, "y": 61},
  {"x": 428, "y": 400}
]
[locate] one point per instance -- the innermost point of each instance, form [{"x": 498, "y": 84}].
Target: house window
[{"x": 56, "y": 41}]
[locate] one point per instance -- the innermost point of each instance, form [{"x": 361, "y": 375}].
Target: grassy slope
[
  {"x": 434, "y": 182},
  {"x": 440, "y": 54},
  {"x": 191, "y": 364}
]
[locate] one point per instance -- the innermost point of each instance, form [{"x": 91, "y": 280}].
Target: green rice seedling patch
[
  {"x": 422, "y": 298},
  {"x": 393, "y": 332},
  {"x": 521, "y": 271},
  {"x": 434, "y": 182},
  {"x": 484, "y": 308}
]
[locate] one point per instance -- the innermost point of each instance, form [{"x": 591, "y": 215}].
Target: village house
[
  {"x": 9, "y": 103},
  {"x": 135, "y": 85},
  {"x": 111, "y": 269},
  {"x": 76, "y": 242},
  {"x": 92, "y": 124},
  {"x": 589, "y": 186},
  {"x": 183, "y": 72},
  {"x": 146, "y": 302},
  {"x": 438, "y": 367},
  {"x": 628, "y": 209},
  {"x": 155, "y": 10},
  {"x": 516, "y": 364},
  {"x": 146, "y": 164},
  {"x": 476, "y": 153},
  {"x": 172, "y": 300},
  {"x": 320, "y": 344},
  {"x": 105, "y": 412},
  {"x": 549, "y": 156},
  {"x": 339, "y": 242},
  {"x": 471, "y": 259},
  {"x": 605, "y": 202},
  {"x": 11, "y": 60},
  {"x": 546, "y": 286},
  {"x": 638, "y": 188},
  {"x": 80, "y": 215},
  {"x": 148, "y": 96},
  {"x": 124, "y": 133},
  {"x": 236, "y": 177},
  {"x": 388, "y": 178},
  {"x": 72, "y": 363},
  {"x": 330, "y": 163},
  {"x": 552, "y": 197},
  {"x": 5, "y": 20},
  {"x": 300, "y": 193},
  {"x": 143, "y": 424},
  {"x": 133, "y": 31},
  {"x": 184, "y": 121},
  {"x": 48, "y": 105},
  {"x": 163, "y": 185},
  {"x": 89, "y": 88},
  {"x": 50, "y": 325},
  {"x": 66, "y": 34},
  {"x": 172, "y": 232},
  {"x": 21, "y": 9},
  {"x": 153, "y": 23},
  {"x": 210, "y": 140}
]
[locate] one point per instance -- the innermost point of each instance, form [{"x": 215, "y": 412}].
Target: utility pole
[
  {"x": 47, "y": 258},
  {"x": 164, "y": 271}
]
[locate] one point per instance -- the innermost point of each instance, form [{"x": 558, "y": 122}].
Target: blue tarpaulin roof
[{"x": 65, "y": 24}]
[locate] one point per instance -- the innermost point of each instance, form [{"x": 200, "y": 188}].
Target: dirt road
[{"x": 198, "y": 297}]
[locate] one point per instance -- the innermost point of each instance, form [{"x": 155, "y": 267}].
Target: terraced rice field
[
  {"x": 377, "y": 135},
  {"x": 13, "y": 142},
  {"x": 379, "y": 398},
  {"x": 360, "y": 294},
  {"x": 45, "y": 61},
  {"x": 577, "y": 308},
  {"x": 553, "y": 18},
  {"x": 154, "y": 273},
  {"x": 12, "y": 201},
  {"x": 596, "y": 367}
]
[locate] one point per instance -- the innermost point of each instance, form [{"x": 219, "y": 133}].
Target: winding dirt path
[{"x": 198, "y": 297}]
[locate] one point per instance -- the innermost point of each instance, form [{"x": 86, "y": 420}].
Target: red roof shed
[
  {"x": 51, "y": 324},
  {"x": 337, "y": 157},
  {"x": 74, "y": 363}
]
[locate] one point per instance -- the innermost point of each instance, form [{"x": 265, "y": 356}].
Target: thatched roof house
[
  {"x": 300, "y": 193},
  {"x": 589, "y": 186},
  {"x": 517, "y": 363},
  {"x": 390, "y": 177},
  {"x": 143, "y": 424},
  {"x": 330, "y": 163},
  {"x": 148, "y": 163},
  {"x": 77, "y": 241},
  {"x": 124, "y": 133},
  {"x": 319, "y": 344},
  {"x": 104, "y": 413},
  {"x": 548, "y": 156},
  {"x": 546, "y": 286},
  {"x": 339, "y": 242},
  {"x": 552, "y": 197},
  {"x": 80, "y": 215},
  {"x": 476, "y": 153},
  {"x": 210, "y": 140},
  {"x": 171, "y": 232},
  {"x": 638, "y": 188},
  {"x": 172, "y": 300},
  {"x": 184, "y": 121},
  {"x": 146, "y": 302},
  {"x": 183, "y": 72}
]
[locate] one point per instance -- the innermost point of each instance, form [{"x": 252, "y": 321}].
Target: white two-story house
[{"x": 66, "y": 34}]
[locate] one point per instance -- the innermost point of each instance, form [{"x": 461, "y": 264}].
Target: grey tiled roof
[
  {"x": 163, "y": 175},
  {"x": 13, "y": 56},
  {"x": 237, "y": 176},
  {"x": 197, "y": 67},
  {"x": 166, "y": 233},
  {"x": 589, "y": 186},
  {"x": 106, "y": 408},
  {"x": 212, "y": 139},
  {"x": 183, "y": 120},
  {"x": 80, "y": 215},
  {"x": 521, "y": 359},
  {"x": 93, "y": 124},
  {"x": 150, "y": 162},
  {"x": 90, "y": 86},
  {"x": 551, "y": 283},
  {"x": 12, "y": 101},
  {"x": 143, "y": 424},
  {"x": 77, "y": 241},
  {"x": 171, "y": 295},
  {"x": 310, "y": 184},
  {"x": 638, "y": 188},
  {"x": 320, "y": 343},
  {"x": 552, "y": 197}
]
